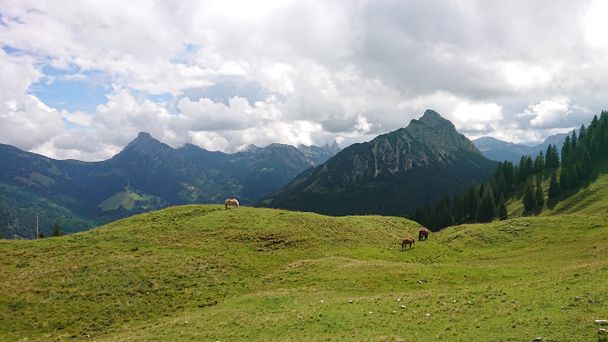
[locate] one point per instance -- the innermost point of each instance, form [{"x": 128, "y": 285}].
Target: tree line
[{"x": 484, "y": 202}]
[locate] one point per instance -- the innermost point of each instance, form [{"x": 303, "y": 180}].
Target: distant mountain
[
  {"x": 392, "y": 174},
  {"x": 145, "y": 175},
  {"x": 319, "y": 154},
  {"x": 499, "y": 150}
]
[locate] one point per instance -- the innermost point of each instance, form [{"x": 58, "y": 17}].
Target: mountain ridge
[{"x": 147, "y": 174}]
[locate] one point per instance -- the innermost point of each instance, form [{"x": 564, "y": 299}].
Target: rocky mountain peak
[
  {"x": 146, "y": 144},
  {"x": 408, "y": 166},
  {"x": 144, "y": 138},
  {"x": 434, "y": 119}
]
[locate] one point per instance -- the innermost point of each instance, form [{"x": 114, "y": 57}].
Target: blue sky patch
[
  {"x": 70, "y": 90},
  {"x": 10, "y": 50}
]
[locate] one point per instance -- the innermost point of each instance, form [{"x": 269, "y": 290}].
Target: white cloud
[
  {"x": 242, "y": 72},
  {"x": 523, "y": 76},
  {"x": 595, "y": 24},
  {"x": 476, "y": 116},
  {"x": 557, "y": 113},
  {"x": 24, "y": 120}
]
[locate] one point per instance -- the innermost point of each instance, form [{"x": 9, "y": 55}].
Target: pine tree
[
  {"x": 521, "y": 170},
  {"x": 422, "y": 216},
  {"x": 539, "y": 163},
  {"x": 603, "y": 132},
  {"x": 444, "y": 214},
  {"x": 529, "y": 166},
  {"x": 585, "y": 166},
  {"x": 471, "y": 201},
  {"x": 458, "y": 208},
  {"x": 551, "y": 157},
  {"x": 566, "y": 150},
  {"x": 565, "y": 176},
  {"x": 540, "y": 196},
  {"x": 485, "y": 211},
  {"x": 501, "y": 186},
  {"x": 526, "y": 168},
  {"x": 594, "y": 122},
  {"x": 554, "y": 188},
  {"x": 57, "y": 231},
  {"x": 555, "y": 157},
  {"x": 594, "y": 145},
  {"x": 529, "y": 199},
  {"x": 509, "y": 172},
  {"x": 582, "y": 134},
  {"x": 501, "y": 208}
]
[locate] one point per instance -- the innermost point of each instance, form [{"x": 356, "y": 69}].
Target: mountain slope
[
  {"x": 204, "y": 273},
  {"x": 145, "y": 175},
  {"x": 392, "y": 174}
]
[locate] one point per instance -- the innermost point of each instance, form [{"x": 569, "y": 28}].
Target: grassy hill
[{"x": 200, "y": 272}]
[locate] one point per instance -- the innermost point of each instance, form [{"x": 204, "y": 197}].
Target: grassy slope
[
  {"x": 589, "y": 199},
  {"x": 127, "y": 200},
  {"x": 200, "y": 272}
]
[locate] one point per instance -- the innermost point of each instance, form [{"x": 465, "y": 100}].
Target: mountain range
[
  {"x": 500, "y": 150},
  {"x": 145, "y": 175},
  {"x": 391, "y": 174}
]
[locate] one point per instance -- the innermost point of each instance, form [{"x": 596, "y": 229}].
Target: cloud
[
  {"x": 223, "y": 74},
  {"x": 476, "y": 117},
  {"x": 24, "y": 120},
  {"x": 557, "y": 112}
]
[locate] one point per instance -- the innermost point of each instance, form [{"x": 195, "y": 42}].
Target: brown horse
[
  {"x": 231, "y": 202},
  {"x": 407, "y": 241},
  {"x": 423, "y": 234}
]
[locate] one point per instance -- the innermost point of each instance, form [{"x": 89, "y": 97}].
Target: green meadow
[{"x": 200, "y": 272}]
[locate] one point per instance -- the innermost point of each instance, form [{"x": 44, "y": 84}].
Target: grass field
[{"x": 205, "y": 273}]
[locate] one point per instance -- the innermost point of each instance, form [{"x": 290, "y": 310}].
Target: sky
[{"x": 80, "y": 79}]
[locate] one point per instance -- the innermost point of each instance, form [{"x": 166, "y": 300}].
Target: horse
[
  {"x": 407, "y": 241},
  {"x": 423, "y": 234},
  {"x": 231, "y": 202}
]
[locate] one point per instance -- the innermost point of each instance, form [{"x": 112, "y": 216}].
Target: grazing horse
[
  {"x": 423, "y": 234},
  {"x": 407, "y": 241},
  {"x": 231, "y": 202}
]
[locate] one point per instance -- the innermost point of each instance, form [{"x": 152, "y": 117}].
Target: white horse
[{"x": 231, "y": 202}]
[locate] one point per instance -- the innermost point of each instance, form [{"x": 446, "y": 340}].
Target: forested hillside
[{"x": 531, "y": 186}]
